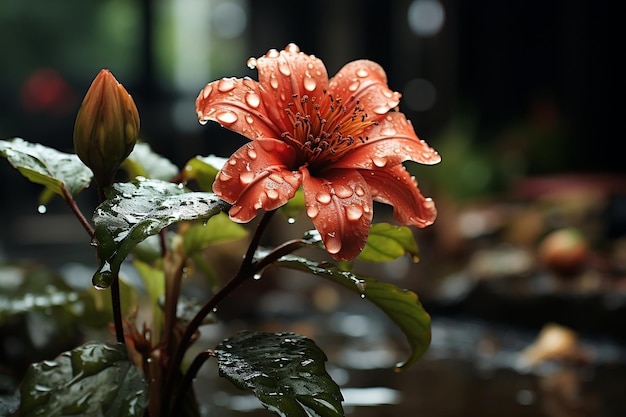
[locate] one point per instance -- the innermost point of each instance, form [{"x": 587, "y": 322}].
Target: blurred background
[{"x": 523, "y": 100}]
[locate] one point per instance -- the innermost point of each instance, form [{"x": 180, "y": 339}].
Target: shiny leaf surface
[
  {"x": 95, "y": 379},
  {"x": 46, "y": 166},
  {"x": 401, "y": 306},
  {"x": 284, "y": 370},
  {"x": 387, "y": 242},
  {"x": 133, "y": 211}
]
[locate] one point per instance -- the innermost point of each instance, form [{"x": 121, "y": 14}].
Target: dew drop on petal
[
  {"x": 251, "y": 63},
  {"x": 323, "y": 197},
  {"x": 332, "y": 243},
  {"x": 381, "y": 110},
  {"x": 225, "y": 85},
  {"x": 355, "y": 85},
  {"x": 234, "y": 210},
  {"x": 249, "y": 119},
  {"x": 232, "y": 162},
  {"x": 252, "y": 154},
  {"x": 272, "y": 194},
  {"x": 312, "y": 211},
  {"x": 253, "y": 99},
  {"x": 273, "y": 81},
  {"x": 224, "y": 176},
  {"x": 202, "y": 121},
  {"x": 276, "y": 178},
  {"x": 354, "y": 212},
  {"x": 293, "y": 48},
  {"x": 227, "y": 117},
  {"x": 342, "y": 191},
  {"x": 246, "y": 177},
  {"x": 362, "y": 72},
  {"x": 389, "y": 131},
  {"x": 379, "y": 161},
  {"x": 207, "y": 90},
  {"x": 359, "y": 191},
  {"x": 283, "y": 67},
  {"x": 309, "y": 84}
]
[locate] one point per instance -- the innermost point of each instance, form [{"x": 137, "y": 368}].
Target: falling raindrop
[
  {"x": 291, "y": 220},
  {"x": 257, "y": 276},
  {"x": 42, "y": 209},
  {"x": 363, "y": 296},
  {"x": 251, "y": 63}
]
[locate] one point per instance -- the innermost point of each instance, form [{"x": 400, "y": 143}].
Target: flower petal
[
  {"x": 236, "y": 104},
  {"x": 286, "y": 75},
  {"x": 366, "y": 82},
  {"x": 340, "y": 206},
  {"x": 257, "y": 177},
  {"x": 396, "y": 187},
  {"x": 389, "y": 143}
]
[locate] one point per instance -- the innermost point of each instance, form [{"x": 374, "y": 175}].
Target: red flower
[{"x": 336, "y": 138}]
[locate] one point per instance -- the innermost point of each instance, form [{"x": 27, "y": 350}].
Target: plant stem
[
  {"x": 189, "y": 376},
  {"x": 245, "y": 271},
  {"x": 76, "y": 210}
]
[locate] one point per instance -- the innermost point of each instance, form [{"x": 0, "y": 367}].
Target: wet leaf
[
  {"x": 218, "y": 229},
  {"x": 401, "y": 306},
  {"x": 387, "y": 242},
  {"x": 144, "y": 162},
  {"x": 133, "y": 211},
  {"x": 46, "y": 166},
  {"x": 284, "y": 370},
  {"x": 203, "y": 169},
  {"x": 95, "y": 379}
]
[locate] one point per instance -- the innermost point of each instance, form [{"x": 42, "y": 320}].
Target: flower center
[{"x": 324, "y": 129}]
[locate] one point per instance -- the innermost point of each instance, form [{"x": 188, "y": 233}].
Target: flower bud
[{"x": 106, "y": 128}]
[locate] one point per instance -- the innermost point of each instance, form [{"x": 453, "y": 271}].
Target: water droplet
[
  {"x": 276, "y": 178},
  {"x": 355, "y": 84},
  {"x": 257, "y": 276},
  {"x": 253, "y": 99},
  {"x": 202, "y": 121},
  {"x": 251, "y": 63},
  {"x": 312, "y": 211},
  {"x": 103, "y": 278},
  {"x": 214, "y": 309},
  {"x": 227, "y": 117},
  {"x": 363, "y": 295},
  {"x": 293, "y": 48},
  {"x": 42, "y": 209},
  {"x": 381, "y": 110},
  {"x": 359, "y": 191},
  {"x": 246, "y": 177},
  {"x": 273, "y": 81},
  {"x": 343, "y": 191},
  {"x": 354, "y": 212},
  {"x": 333, "y": 244},
  {"x": 389, "y": 131},
  {"x": 252, "y": 154},
  {"x": 362, "y": 72},
  {"x": 272, "y": 53},
  {"x": 323, "y": 197},
  {"x": 226, "y": 84},
  {"x": 206, "y": 91},
  {"x": 283, "y": 67},
  {"x": 249, "y": 119},
  {"x": 272, "y": 194},
  {"x": 379, "y": 161},
  {"x": 291, "y": 220},
  {"x": 309, "y": 84}
]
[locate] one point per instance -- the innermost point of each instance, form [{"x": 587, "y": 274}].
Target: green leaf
[
  {"x": 387, "y": 242},
  {"x": 218, "y": 229},
  {"x": 47, "y": 166},
  {"x": 133, "y": 211},
  {"x": 401, "y": 306},
  {"x": 143, "y": 162},
  {"x": 204, "y": 169},
  {"x": 96, "y": 379},
  {"x": 284, "y": 370}
]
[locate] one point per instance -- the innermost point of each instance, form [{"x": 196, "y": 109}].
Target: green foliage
[
  {"x": 387, "y": 242},
  {"x": 203, "y": 169},
  {"x": 93, "y": 379},
  {"x": 133, "y": 211},
  {"x": 143, "y": 162},
  {"x": 284, "y": 370},
  {"x": 401, "y": 306},
  {"x": 46, "y": 166}
]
